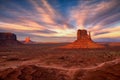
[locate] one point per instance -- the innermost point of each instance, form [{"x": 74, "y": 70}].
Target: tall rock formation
[
  {"x": 82, "y": 35},
  {"x": 27, "y": 40},
  {"x": 8, "y": 39},
  {"x": 83, "y": 41}
]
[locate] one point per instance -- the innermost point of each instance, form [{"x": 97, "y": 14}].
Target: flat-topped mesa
[
  {"x": 8, "y": 39},
  {"x": 83, "y": 41},
  {"x": 7, "y": 36}
]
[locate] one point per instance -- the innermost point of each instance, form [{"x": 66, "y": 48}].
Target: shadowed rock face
[
  {"x": 8, "y": 39},
  {"x": 82, "y": 35},
  {"x": 7, "y": 36},
  {"x": 83, "y": 41}
]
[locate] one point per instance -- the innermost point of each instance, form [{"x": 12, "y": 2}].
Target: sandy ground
[{"x": 48, "y": 56}]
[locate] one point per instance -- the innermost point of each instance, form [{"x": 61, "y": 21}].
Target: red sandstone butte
[
  {"x": 27, "y": 40},
  {"x": 83, "y": 41}
]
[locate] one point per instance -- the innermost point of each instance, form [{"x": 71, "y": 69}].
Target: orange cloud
[
  {"x": 108, "y": 35},
  {"x": 18, "y": 27},
  {"x": 45, "y": 17}
]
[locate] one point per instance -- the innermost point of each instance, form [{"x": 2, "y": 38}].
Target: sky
[{"x": 59, "y": 20}]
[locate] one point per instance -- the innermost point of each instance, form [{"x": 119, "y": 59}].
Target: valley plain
[{"x": 46, "y": 61}]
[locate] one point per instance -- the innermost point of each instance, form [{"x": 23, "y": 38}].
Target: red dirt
[{"x": 45, "y": 62}]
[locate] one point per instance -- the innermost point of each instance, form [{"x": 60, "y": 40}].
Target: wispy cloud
[
  {"x": 99, "y": 17},
  {"x": 43, "y": 19}
]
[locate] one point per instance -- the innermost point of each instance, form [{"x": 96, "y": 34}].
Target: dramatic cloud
[
  {"x": 59, "y": 20},
  {"x": 99, "y": 17}
]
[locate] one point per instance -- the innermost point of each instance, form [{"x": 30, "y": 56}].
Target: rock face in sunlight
[
  {"x": 83, "y": 41},
  {"x": 8, "y": 39},
  {"x": 28, "y": 41}
]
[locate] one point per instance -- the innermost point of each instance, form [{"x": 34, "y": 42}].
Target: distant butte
[
  {"x": 27, "y": 40},
  {"x": 83, "y": 41},
  {"x": 8, "y": 39}
]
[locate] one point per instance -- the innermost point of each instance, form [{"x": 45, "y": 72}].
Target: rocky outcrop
[
  {"x": 105, "y": 71},
  {"x": 8, "y": 39},
  {"x": 32, "y": 72},
  {"x": 82, "y": 35},
  {"x": 7, "y": 36},
  {"x": 83, "y": 41},
  {"x": 28, "y": 41}
]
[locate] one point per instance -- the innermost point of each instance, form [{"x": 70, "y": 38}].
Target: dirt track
[
  {"x": 104, "y": 71},
  {"x": 45, "y": 62}
]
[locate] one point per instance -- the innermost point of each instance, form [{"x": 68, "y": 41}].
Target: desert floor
[{"x": 50, "y": 56}]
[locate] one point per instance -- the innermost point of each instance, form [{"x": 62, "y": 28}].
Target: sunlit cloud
[
  {"x": 40, "y": 18},
  {"x": 98, "y": 18}
]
